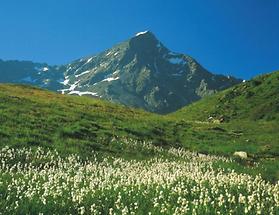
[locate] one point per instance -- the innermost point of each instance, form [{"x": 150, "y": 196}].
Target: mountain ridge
[{"x": 140, "y": 72}]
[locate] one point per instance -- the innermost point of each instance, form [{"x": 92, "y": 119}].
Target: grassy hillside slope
[
  {"x": 33, "y": 117},
  {"x": 253, "y": 100},
  {"x": 30, "y": 116},
  {"x": 250, "y": 111}
]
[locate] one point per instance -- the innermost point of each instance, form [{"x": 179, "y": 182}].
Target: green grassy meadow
[{"x": 64, "y": 144}]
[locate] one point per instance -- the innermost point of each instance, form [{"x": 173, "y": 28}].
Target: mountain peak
[
  {"x": 145, "y": 42},
  {"x": 145, "y": 35},
  {"x": 140, "y": 72}
]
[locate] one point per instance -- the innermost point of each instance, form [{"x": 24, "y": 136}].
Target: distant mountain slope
[
  {"x": 140, "y": 72},
  {"x": 27, "y": 72},
  {"x": 253, "y": 100}
]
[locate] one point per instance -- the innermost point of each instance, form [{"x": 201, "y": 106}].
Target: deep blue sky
[{"x": 238, "y": 37}]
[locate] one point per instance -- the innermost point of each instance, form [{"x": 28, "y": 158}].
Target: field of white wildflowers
[{"x": 36, "y": 181}]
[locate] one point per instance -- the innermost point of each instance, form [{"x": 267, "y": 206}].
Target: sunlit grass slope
[
  {"x": 33, "y": 117},
  {"x": 248, "y": 111}
]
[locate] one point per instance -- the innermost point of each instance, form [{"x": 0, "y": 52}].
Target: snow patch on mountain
[
  {"x": 116, "y": 72},
  {"x": 108, "y": 53},
  {"x": 83, "y": 93},
  {"x": 73, "y": 86},
  {"x": 141, "y": 33},
  {"x": 68, "y": 69},
  {"x": 45, "y": 69},
  {"x": 104, "y": 64},
  {"x": 46, "y": 81},
  {"x": 176, "y": 60},
  {"x": 110, "y": 79},
  {"x": 66, "y": 81},
  {"x": 83, "y": 73},
  {"x": 89, "y": 60}
]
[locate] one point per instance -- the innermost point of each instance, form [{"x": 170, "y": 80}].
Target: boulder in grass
[
  {"x": 241, "y": 154},
  {"x": 200, "y": 155}
]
